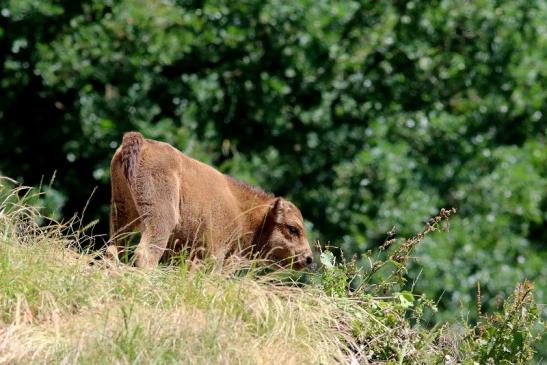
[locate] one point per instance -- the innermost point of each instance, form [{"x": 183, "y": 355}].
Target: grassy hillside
[{"x": 59, "y": 305}]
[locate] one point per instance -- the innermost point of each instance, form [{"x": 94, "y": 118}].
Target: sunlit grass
[{"x": 59, "y": 304}]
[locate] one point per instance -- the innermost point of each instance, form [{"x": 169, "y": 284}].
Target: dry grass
[{"x": 61, "y": 306}]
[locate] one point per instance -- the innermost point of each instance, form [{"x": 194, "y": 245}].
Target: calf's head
[{"x": 283, "y": 238}]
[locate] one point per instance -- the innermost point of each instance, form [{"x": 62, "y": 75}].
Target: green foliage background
[{"x": 368, "y": 114}]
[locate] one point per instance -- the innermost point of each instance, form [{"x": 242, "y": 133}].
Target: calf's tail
[{"x": 131, "y": 148}]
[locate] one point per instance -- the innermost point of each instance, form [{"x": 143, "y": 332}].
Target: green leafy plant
[{"x": 507, "y": 336}]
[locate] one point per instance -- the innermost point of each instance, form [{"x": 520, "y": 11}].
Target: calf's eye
[{"x": 293, "y": 230}]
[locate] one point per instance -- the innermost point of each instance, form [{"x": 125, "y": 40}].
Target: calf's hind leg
[
  {"x": 157, "y": 206},
  {"x": 153, "y": 243}
]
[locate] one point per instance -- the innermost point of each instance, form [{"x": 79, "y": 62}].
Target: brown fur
[{"x": 176, "y": 202}]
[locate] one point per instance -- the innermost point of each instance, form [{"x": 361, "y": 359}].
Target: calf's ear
[{"x": 277, "y": 209}]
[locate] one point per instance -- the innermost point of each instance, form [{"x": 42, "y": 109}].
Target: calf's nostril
[{"x": 309, "y": 260}]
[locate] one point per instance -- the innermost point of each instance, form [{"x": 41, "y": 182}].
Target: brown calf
[{"x": 176, "y": 202}]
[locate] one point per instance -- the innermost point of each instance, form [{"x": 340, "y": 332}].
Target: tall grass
[{"x": 61, "y": 305}]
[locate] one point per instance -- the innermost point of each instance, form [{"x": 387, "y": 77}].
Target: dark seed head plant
[
  {"x": 396, "y": 331},
  {"x": 507, "y": 336}
]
